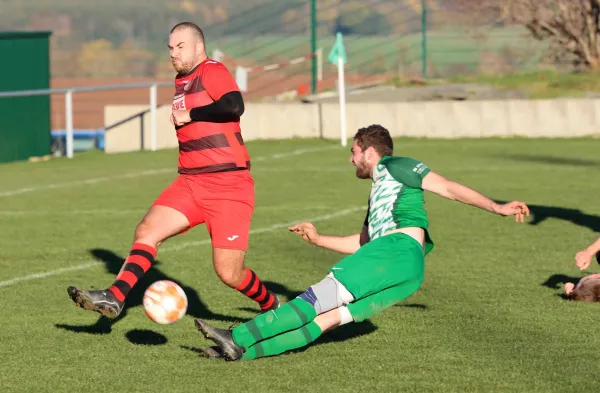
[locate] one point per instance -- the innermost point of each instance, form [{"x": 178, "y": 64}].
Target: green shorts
[{"x": 385, "y": 262}]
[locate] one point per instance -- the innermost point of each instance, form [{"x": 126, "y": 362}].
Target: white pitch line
[
  {"x": 26, "y": 190},
  {"x": 296, "y": 152},
  {"x": 19, "y": 213},
  {"x": 82, "y": 182},
  {"x": 48, "y": 273},
  {"x": 177, "y": 247},
  {"x": 442, "y": 170},
  {"x": 124, "y": 212}
]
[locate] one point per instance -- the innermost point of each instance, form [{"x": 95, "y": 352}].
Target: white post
[
  {"x": 69, "y": 122},
  {"x": 217, "y": 55},
  {"x": 153, "y": 106},
  {"x": 342, "y": 94},
  {"x": 320, "y": 64},
  {"x": 241, "y": 78}
]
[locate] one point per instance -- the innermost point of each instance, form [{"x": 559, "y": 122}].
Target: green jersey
[{"x": 396, "y": 199}]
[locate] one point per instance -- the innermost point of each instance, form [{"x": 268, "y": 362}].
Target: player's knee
[
  {"x": 229, "y": 266},
  {"x": 144, "y": 233},
  {"x": 143, "y": 229},
  {"x": 231, "y": 276},
  {"x": 327, "y": 295}
]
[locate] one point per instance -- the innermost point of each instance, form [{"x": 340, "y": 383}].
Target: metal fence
[
  {"x": 68, "y": 92},
  {"x": 384, "y": 38}
]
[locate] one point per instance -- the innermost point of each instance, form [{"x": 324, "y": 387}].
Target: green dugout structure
[{"x": 24, "y": 121}]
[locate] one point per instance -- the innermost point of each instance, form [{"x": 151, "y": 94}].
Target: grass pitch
[{"x": 489, "y": 316}]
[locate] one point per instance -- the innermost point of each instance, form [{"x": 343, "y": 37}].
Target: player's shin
[
  {"x": 292, "y": 315},
  {"x": 140, "y": 259},
  {"x": 300, "y": 337},
  {"x": 288, "y": 341},
  {"x": 326, "y": 295},
  {"x": 253, "y": 288}
]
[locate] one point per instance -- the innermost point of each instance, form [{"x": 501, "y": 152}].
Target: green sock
[
  {"x": 284, "y": 342},
  {"x": 290, "y": 316}
]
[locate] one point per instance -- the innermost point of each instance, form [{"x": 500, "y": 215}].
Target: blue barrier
[{"x": 59, "y": 137}]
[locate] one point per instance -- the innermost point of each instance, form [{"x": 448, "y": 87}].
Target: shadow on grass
[
  {"x": 113, "y": 263},
  {"x": 540, "y": 213},
  {"x": 556, "y": 281},
  {"x": 553, "y": 160},
  {"x": 341, "y": 334},
  {"x": 145, "y": 337}
]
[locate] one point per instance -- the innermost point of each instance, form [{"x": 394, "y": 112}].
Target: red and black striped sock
[
  {"x": 140, "y": 259},
  {"x": 256, "y": 290}
]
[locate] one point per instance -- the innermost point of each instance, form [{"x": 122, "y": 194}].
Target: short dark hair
[
  {"x": 189, "y": 25},
  {"x": 375, "y": 136}
]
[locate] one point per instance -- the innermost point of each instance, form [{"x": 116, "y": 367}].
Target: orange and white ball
[{"x": 165, "y": 302}]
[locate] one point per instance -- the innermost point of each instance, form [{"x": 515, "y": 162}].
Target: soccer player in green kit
[{"x": 384, "y": 263}]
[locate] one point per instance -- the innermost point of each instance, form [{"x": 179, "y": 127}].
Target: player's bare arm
[
  {"x": 584, "y": 257},
  {"x": 448, "y": 189},
  {"x": 342, "y": 244}
]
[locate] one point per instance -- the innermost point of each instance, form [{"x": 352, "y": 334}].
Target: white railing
[
  {"x": 241, "y": 72},
  {"x": 68, "y": 92}
]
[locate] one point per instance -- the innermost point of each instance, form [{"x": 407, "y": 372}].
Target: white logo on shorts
[{"x": 232, "y": 238}]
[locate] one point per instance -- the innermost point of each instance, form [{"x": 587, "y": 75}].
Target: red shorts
[{"x": 224, "y": 201}]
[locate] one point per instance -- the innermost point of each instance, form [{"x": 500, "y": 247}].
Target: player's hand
[
  {"x": 583, "y": 259},
  {"x": 514, "y": 208},
  {"x": 181, "y": 117},
  {"x": 569, "y": 286},
  {"x": 307, "y": 231}
]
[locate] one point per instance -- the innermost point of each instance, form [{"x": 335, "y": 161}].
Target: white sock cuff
[{"x": 345, "y": 315}]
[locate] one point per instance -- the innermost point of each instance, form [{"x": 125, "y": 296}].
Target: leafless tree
[{"x": 572, "y": 26}]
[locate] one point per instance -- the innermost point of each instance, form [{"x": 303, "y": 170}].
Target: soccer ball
[{"x": 165, "y": 302}]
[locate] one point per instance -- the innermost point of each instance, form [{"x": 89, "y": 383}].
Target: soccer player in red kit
[{"x": 214, "y": 185}]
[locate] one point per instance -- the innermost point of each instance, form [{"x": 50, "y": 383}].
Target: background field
[
  {"x": 489, "y": 316},
  {"x": 448, "y": 50}
]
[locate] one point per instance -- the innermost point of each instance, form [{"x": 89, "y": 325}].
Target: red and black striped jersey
[{"x": 206, "y": 147}]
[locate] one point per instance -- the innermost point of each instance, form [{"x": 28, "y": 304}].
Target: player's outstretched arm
[
  {"x": 457, "y": 192},
  {"x": 343, "y": 244},
  {"x": 584, "y": 257}
]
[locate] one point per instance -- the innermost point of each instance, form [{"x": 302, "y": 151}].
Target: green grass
[
  {"x": 542, "y": 84},
  {"x": 481, "y": 322}
]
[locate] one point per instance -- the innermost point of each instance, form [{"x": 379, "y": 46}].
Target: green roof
[{"x": 24, "y": 34}]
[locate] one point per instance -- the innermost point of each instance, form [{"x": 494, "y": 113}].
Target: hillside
[
  {"x": 121, "y": 20},
  {"x": 122, "y": 38}
]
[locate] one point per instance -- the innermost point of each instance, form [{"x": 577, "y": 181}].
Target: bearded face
[
  {"x": 359, "y": 160},
  {"x": 363, "y": 171}
]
